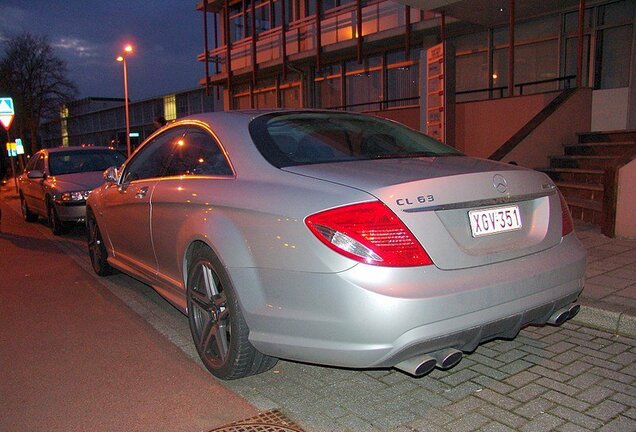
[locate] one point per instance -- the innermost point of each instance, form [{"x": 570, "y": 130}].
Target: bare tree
[{"x": 35, "y": 77}]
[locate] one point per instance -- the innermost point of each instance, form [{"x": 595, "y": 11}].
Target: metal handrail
[
  {"x": 500, "y": 89},
  {"x": 379, "y": 103}
]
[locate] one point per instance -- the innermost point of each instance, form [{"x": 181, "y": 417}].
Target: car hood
[{"x": 77, "y": 181}]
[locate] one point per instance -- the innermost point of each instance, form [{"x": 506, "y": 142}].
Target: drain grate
[{"x": 269, "y": 421}]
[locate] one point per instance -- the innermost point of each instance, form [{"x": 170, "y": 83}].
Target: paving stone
[
  {"x": 621, "y": 424},
  {"x": 497, "y": 399},
  {"x": 521, "y": 379},
  {"x": 606, "y": 410},
  {"x": 492, "y": 384},
  {"x": 576, "y": 368},
  {"x": 502, "y": 415},
  {"x": 585, "y": 381},
  {"x": 542, "y": 423},
  {"x": 576, "y": 417},
  {"x": 528, "y": 392},
  {"x": 459, "y": 377},
  {"x": 618, "y": 386},
  {"x": 534, "y": 408},
  {"x": 515, "y": 367},
  {"x": 495, "y": 427},
  {"x": 489, "y": 371},
  {"x": 595, "y": 394},
  {"x": 570, "y": 427},
  {"x": 557, "y": 386},
  {"x": 565, "y": 400},
  {"x": 469, "y": 422},
  {"x": 550, "y": 373}
]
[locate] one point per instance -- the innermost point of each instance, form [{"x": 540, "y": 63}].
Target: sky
[{"x": 167, "y": 36}]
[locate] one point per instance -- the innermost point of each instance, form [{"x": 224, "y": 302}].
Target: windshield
[
  {"x": 69, "y": 162},
  {"x": 298, "y": 138}
]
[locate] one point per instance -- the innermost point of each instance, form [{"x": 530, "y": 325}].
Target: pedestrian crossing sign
[{"x": 6, "y": 112}]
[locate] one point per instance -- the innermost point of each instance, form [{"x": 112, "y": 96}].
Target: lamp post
[{"x": 122, "y": 58}]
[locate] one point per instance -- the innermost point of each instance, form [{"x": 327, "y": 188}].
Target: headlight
[{"x": 75, "y": 196}]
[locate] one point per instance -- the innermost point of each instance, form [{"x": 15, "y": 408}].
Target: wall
[
  {"x": 483, "y": 126},
  {"x": 409, "y": 116},
  {"x": 571, "y": 117},
  {"x": 626, "y": 201},
  {"x": 609, "y": 109}
]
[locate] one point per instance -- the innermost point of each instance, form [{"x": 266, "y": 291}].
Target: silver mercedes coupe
[{"x": 334, "y": 238}]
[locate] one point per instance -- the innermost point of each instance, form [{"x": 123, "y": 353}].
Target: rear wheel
[
  {"x": 218, "y": 328},
  {"x": 96, "y": 248},
  {"x": 57, "y": 228},
  {"x": 26, "y": 213}
]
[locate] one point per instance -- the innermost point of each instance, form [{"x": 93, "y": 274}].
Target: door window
[
  {"x": 153, "y": 158},
  {"x": 198, "y": 153}
]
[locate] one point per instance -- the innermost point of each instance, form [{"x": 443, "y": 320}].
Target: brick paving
[{"x": 568, "y": 378}]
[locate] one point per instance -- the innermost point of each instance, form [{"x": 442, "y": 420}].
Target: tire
[
  {"x": 96, "y": 249},
  {"x": 27, "y": 215},
  {"x": 219, "y": 331},
  {"x": 56, "y": 225}
]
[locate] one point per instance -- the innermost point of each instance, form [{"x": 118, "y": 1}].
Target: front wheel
[
  {"x": 96, "y": 248},
  {"x": 26, "y": 213},
  {"x": 57, "y": 228},
  {"x": 218, "y": 328}
]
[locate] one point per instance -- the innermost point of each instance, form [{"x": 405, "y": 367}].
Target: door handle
[{"x": 141, "y": 192}]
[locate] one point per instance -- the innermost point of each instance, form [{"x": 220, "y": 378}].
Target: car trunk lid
[{"x": 436, "y": 197}]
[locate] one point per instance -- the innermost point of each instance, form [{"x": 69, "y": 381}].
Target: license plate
[{"x": 494, "y": 220}]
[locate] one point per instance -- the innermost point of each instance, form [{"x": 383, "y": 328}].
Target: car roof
[{"x": 75, "y": 148}]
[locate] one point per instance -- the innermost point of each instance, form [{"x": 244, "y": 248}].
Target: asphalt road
[{"x": 569, "y": 378}]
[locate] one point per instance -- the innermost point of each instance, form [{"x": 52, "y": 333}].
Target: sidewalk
[{"x": 75, "y": 357}]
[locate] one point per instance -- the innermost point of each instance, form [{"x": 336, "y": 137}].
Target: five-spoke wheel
[
  {"x": 218, "y": 328},
  {"x": 96, "y": 248}
]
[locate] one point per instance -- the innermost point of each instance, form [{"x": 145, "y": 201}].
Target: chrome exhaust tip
[
  {"x": 564, "y": 314},
  {"x": 447, "y": 358},
  {"x": 417, "y": 366}
]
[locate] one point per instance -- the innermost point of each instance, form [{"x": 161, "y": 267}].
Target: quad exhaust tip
[{"x": 421, "y": 365}]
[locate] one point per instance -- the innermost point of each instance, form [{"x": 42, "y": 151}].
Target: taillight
[
  {"x": 567, "y": 226},
  {"x": 368, "y": 233}
]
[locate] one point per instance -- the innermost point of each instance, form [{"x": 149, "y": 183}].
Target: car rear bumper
[{"x": 371, "y": 316}]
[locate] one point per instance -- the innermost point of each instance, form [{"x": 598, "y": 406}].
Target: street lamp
[{"x": 128, "y": 49}]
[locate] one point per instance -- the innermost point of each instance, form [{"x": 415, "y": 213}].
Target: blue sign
[{"x": 6, "y": 106}]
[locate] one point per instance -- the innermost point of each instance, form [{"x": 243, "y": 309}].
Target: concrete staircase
[{"x": 580, "y": 172}]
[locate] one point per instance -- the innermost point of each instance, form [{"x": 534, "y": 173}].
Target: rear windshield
[
  {"x": 300, "y": 138},
  {"x": 69, "y": 162}
]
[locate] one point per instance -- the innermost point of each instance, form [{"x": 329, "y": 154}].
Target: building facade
[
  {"x": 101, "y": 121},
  {"x": 364, "y": 55}
]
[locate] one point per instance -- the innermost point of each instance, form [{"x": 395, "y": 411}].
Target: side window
[
  {"x": 198, "y": 154},
  {"x": 153, "y": 159},
  {"x": 31, "y": 164},
  {"x": 39, "y": 164}
]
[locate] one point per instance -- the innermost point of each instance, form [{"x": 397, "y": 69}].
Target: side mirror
[
  {"x": 35, "y": 174},
  {"x": 111, "y": 175}
]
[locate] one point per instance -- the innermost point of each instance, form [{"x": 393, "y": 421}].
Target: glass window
[
  {"x": 364, "y": 84},
  {"x": 39, "y": 164},
  {"x": 402, "y": 79},
  {"x": 616, "y": 13},
  {"x": 614, "y": 57},
  {"x": 471, "y": 72},
  {"x": 571, "y": 58},
  {"x": 572, "y": 21},
  {"x": 471, "y": 42},
  {"x": 31, "y": 164},
  {"x": 299, "y": 138},
  {"x": 537, "y": 29},
  {"x": 197, "y": 154},
  {"x": 329, "y": 87},
  {"x": 152, "y": 159},
  {"x": 78, "y": 161},
  {"x": 537, "y": 62}
]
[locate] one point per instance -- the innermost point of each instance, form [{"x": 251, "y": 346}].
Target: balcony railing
[{"x": 338, "y": 25}]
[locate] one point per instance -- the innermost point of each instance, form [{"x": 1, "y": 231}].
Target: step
[
  {"x": 600, "y": 149},
  {"x": 584, "y": 162},
  {"x": 575, "y": 175},
  {"x": 605, "y": 136},
  {"x": 581, "y": 191},
  {"x": 586, "y": 210}
]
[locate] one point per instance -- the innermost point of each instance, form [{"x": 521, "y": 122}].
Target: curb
[{"x": 607, "y": 319}]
